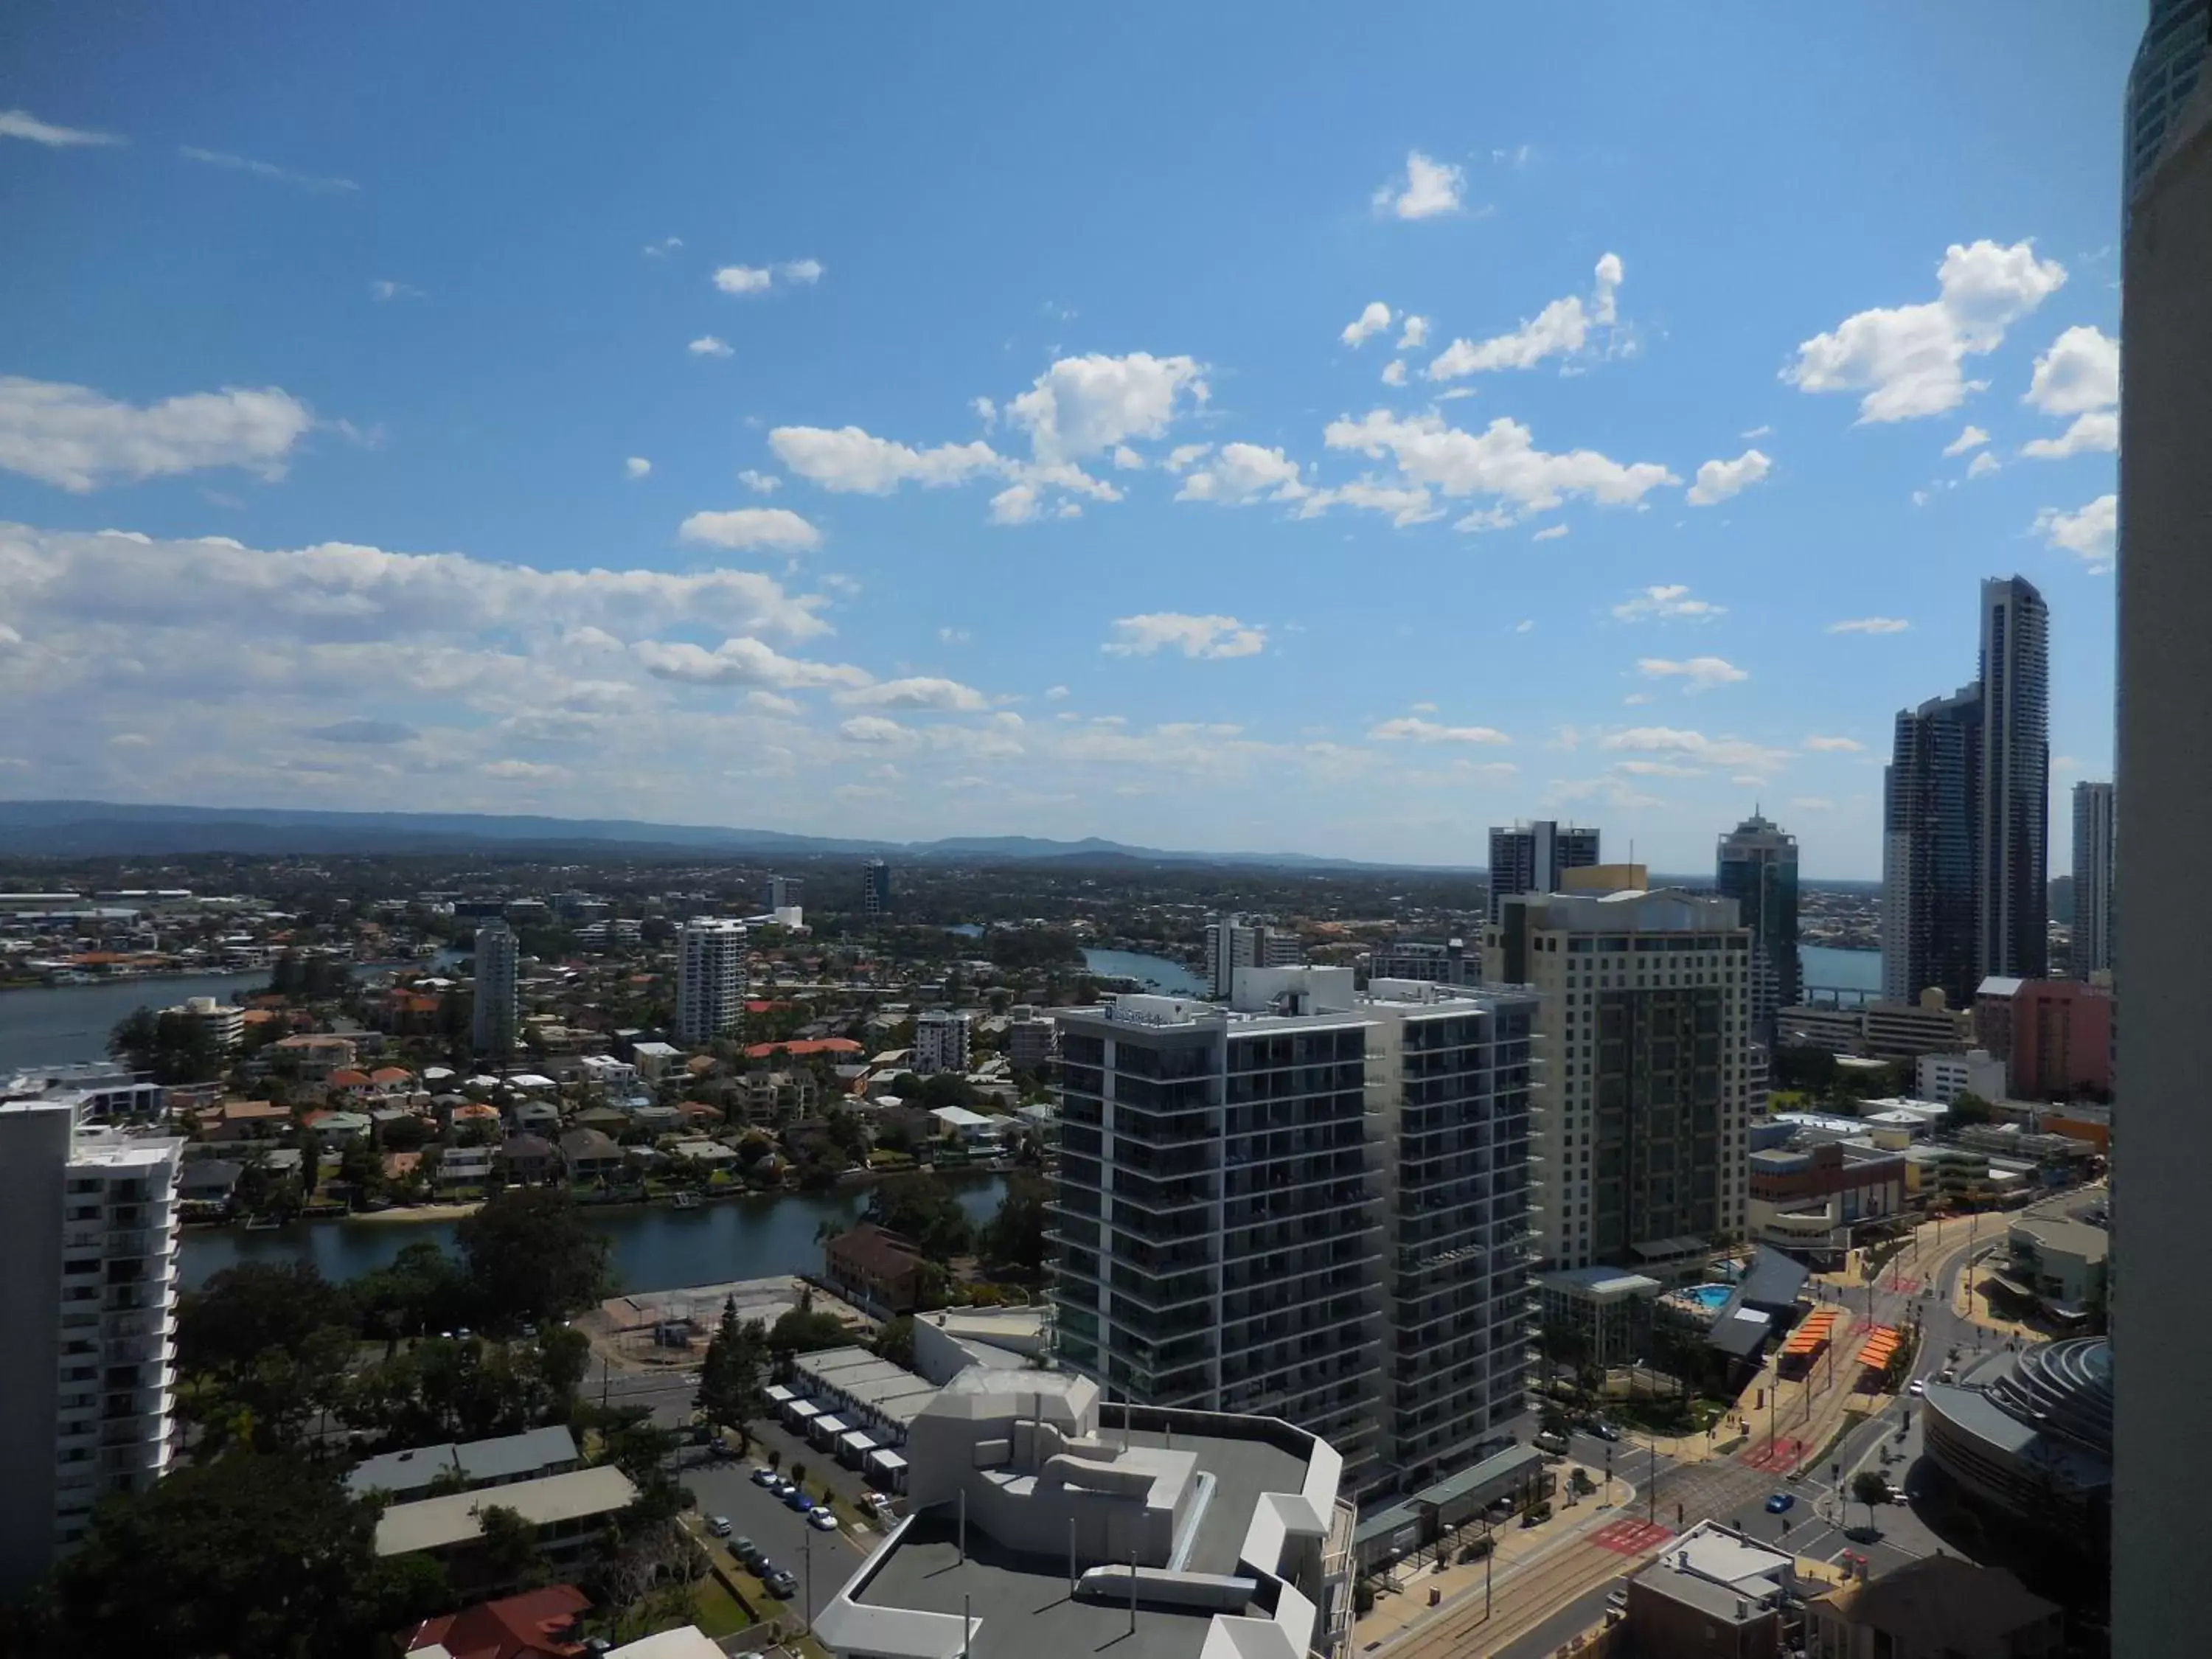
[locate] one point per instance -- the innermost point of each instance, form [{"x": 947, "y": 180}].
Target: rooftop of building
[
  {"x": 431, "y": 1523},
  {"x": 1943, "y": 1604},
  {"x": 501, "y": 1458},
  {"x": 2063, "y": 1233},
  {"x": 1237, "y": 1489}
]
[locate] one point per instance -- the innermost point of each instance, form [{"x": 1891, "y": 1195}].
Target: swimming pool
[{"x": 1712, "y": 1297}]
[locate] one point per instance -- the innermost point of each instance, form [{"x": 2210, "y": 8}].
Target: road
[{"x": 1556, "y": 1596}]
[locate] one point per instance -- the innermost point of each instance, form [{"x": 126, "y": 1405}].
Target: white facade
[
  {"x": 940, "y": 1042},
  {"x": 1645, "y": 1037},
  {"x": 1232, "y": 942},
  {"x": 88, "y": 1302},
  {"x": 1944, "y": 1077},
  {"x": 498, "y": 1005},
  {"x": 710, "y": 979},
  {"x": 224, "y": 1022}
]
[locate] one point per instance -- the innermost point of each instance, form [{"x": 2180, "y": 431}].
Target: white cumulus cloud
[
  {"x": 751, "y": 527},
  {"x": 741, "y": 662},
  {"x": 1501, "y": 462},
  {"x": 2095, "y": 432},
  {"x": 2078, "y": 373},
  {"x": 1428, "y": 189},
  {"x": 744, "y": 279},
  {"x": 636, "y": 467},
  {"x": 1393, "y": 372},
  {"x": 1910, "y": 360},
  {"x": 22, "y": 124},
  {"x": 1561, "y": 329},
  {"x": 1870, "y": 625},
  {"x": 946, "y": 696},
  {"x": 2088, "y": 532},
  {"x": 73, "y": 437},
  {"x": 1972, "y": 438},
  {"x": 1085, "y": 405},
  {"x": 1835, "y": 746},
  {"x": 1718, "y": 480},
  {"x": 1407, "y": 729},
  {"x": 709, "y": 345},
  {"x": 1982, "y": 464},
  {"x": 761, "y": 483},
  {"x": 1696, "y": 674},
  {"x": 1371, "y": 321},
  {"x": 1194, "y": 637},
  {"x": 1414, "y": 335},
  {"x": 850, "y": 460},
  {"x": 1669, "y": 602},
  {"x": 1240, "y": 474}
]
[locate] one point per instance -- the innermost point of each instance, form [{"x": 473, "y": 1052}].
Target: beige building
[
  {"x": 1644, "y": 1038},
  {"x": 1937, "y": 1607}
]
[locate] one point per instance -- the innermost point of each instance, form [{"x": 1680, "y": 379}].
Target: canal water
[
  {"x": 68, "y": 1025},
  {"x": 654, "y": 1248},
  {"x": 1154, "y": 973}
]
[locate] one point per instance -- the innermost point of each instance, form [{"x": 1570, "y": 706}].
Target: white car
[
  {"x": 822, "y": 1521},
  {"x": 1917, "y": 1388}
]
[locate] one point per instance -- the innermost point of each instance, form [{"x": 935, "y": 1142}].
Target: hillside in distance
[{"x": 87, "y": 828}]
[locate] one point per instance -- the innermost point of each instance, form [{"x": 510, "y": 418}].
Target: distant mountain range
[{"x": 82, "y": 829}]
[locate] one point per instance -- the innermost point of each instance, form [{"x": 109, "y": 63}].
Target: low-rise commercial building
[
  {"x": 571, "y": 1513},
  {"x": 879, "y": 1269},
  {"x": 1601, "y": 1315},
  {"x": 1808, "y": 1199},
  {"x": 2060, "y": 1263},
  {"x": 1042, "y": 1523},
  {"x": 1939, "y": 1607},
  {"x": 2029, "y": 1434},
  {"x": 1977, "y": 1071},
  {"x": 1712, "y": 1593},
  {"x": 466, "y": 1465}
]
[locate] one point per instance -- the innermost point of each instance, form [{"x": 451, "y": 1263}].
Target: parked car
[
  {"x": 743, "y": 1549},
  {"x": 822, "y": 1521},
  {"x": 782, "y": 1586},
  {"x": 781, "y": 1488},
  {"x": 1554, "y": 1443},
  {"x": 796, "y": 1499},
  {"x": 1780, "y": 1502},
  {"x": 719, "y": 1525},
  {"x": 1917, "y": 1388},
  {"x": 873, "y": 1502},
  {"x": 764, "y": 1476}
]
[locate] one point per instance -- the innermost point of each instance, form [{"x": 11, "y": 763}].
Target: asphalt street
[{"x": 727, "y": 1489}]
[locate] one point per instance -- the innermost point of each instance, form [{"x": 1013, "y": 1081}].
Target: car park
[
  {"x": 1780, "y": 1503},
  {"x": 822, "y": 1521}
]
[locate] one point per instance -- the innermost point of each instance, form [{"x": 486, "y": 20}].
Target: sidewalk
[
  {"x": 1516, "y": 1548},
  {"x": 1745, "y": 1428}
]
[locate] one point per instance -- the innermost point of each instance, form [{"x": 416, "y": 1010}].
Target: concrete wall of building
[{"x": 33, "y": 1147}]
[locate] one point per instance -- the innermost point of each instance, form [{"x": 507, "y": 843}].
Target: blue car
[
  {"x": 796, "y": 1499},
  {"x": 1779, "y": 1502}
]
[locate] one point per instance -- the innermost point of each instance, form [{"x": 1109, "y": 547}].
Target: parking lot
[{"x": 727, "y": 1489}]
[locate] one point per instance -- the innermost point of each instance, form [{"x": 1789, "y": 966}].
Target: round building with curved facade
[{"x": 2031, "y": 1434}]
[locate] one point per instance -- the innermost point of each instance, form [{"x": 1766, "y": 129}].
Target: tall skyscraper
[
  {"x": 2012, "y": 895},
  {"x": 1931, "y": 819},
  {"x": 1646, "y": 1036},
  {"x": 1757, "y": 868},
  {"x": 875, "y": 889},
  {"x": 1232, "y": 942},
  {"x": 2164, "y": 790},
  {"x": 1966, "y": 818},
  {"x": 89, "y": 1222},
  {"x": 1231, "y": 1175},
  {"x": 1529, "y": 858},
  {"x": 710, "y": 979},
  {"x": 498, "y": 989},
  {"x": 2091, "y": 950},
  {"x": 2169, "y": 63}
]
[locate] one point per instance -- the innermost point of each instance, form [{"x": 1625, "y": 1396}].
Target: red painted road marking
[
  {"x": 1903, "y": 1284},
  {"x": 1775, "y": 1456},
  {"x": 1631, "y": 1537}
]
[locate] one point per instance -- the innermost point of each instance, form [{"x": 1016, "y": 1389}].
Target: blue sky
[{"x": 1217, "y": 428}]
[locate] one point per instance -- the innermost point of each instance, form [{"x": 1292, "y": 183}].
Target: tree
[
  {"x": 730, "y": 1380},
  {"x": 1970, "y": 1109},
  {"x": 250, "y": 1556},
  {"x": 362, "y": 1169},
  {"x": 895, "y": 1341},
  {"x": 803, "y": 1330},
  {"x": 421, "y": 1289},
  {"x": 922, "y": 1208},
  {"x": 1014, "y": 1240},
  {"x": 508, "y": 1550},
  {"x": 531, "y": 1258},
  {"x": 242, "y": 1313},
  {"x": 1869, "y": 1489}
]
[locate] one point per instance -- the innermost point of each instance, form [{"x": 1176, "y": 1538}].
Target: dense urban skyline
[{"x": 518, "y": 463}]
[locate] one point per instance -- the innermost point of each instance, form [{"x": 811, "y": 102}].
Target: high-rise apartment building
[
  {"x": 1309, "y": 1204},
  {"x": 1757, "y": 868},
  {"x": 1931, "y": 818},
  {"x": 1965, "y": 859},
  {"x": 2013, "y": 893},
  {"x": 90, "y": 1217},
  {"x": 498, "y": 989},
  {"x": 1450, "y": 1077},
  {"x": 2160, "y": 1361},
  {"x": 1531, "y": 858},
  {"x": 783, "y": 892},
  {"x": 1217, "y": 1226},
  {"x": 1645, "y": 1033},
  {"x": 940, "y": 1041},
  {"x": 2169, "y": 63},
  {"x": 875, "y": 889},
  {"x": 1232, "y": 942},
  {"x": 2091, "y": 952},
  {"x": 1447, "y": 963},
  {"x": 710, "y": 979}
]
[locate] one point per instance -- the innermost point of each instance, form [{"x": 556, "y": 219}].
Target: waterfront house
[
  {"x": 529, "y": 1159},
  {"x": 878, "y": 1268},
  {"x": 245, "y": 1120},
  {"x": 591, "y": 1155}
]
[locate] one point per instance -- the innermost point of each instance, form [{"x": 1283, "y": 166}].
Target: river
[
  {"x": 68, "y": 1025},
  {"x": 1826, "y": 968},
  {"x": 1154, "y": 973},
  {"x": 654, "y": 1247}
]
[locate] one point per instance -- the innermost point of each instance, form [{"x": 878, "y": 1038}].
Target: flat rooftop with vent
[{"x": 1043, "y": 1522}]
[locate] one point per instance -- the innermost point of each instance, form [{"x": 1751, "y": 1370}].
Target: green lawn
[{"x": 715, "y": 1611}]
